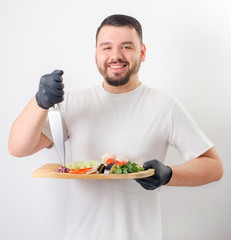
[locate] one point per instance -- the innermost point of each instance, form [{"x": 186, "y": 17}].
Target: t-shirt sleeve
[
  {"x": 46, "y": 130},
  {"x": 185, "y": 135}
]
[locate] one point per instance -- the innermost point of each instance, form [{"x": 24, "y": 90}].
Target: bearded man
[{"x": 125, "y": 117}]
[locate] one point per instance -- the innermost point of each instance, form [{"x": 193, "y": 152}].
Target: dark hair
[{"x": 119, "y": 20}]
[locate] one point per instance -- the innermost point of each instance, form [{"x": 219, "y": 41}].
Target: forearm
[
  {"x": 199, "y": 171},
  {"x": 25, "y": 133}
]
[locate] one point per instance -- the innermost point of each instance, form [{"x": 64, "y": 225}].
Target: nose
[{"x": 116, "y": 54}]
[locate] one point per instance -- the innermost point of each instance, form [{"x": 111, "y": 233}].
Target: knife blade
[{"x": 56, "y": 125}]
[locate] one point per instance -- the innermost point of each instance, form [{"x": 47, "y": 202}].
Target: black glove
[
  {"x": 50, "y": 89},
  {"x": 161, "y": 177}
]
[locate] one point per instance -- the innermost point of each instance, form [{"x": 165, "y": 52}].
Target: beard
[{"x": 118, "y": 80}]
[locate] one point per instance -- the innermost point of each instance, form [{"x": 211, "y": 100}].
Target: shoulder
[{"x": 159, "y": 97}]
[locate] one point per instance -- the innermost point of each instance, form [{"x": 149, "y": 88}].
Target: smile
[{"x": 117, "y": 66}]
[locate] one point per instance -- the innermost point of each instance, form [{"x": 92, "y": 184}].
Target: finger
[
  {"x": 59, "y": 93},
  {"x": 145, "y": 186},
  {"x": 148, "y": 186},
  {"x": 60, "y": 86},
  {"x": 56, "y": 99},
  {"x": 154, "y": 180},
  {"x": 141, "y": 180},
  {"x": 55, "y": 92},
  {"x": 59, "y": 99},
  {"x": 149, "y": 164},
  {"x": 57, "y": 78},
  {"x": 59, "y": 72},
  {"x": 56, "y": 85}
]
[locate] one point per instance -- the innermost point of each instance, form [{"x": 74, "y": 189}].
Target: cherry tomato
[
  {"x": 123, "y": 163},
  {"x": 110, "y": 160},
  {"x": 117, "y": 162}
]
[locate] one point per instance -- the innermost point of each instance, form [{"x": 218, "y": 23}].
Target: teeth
[{"x": 116, "y": 66}]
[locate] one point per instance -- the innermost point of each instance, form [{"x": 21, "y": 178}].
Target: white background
[{"x": 188, "y": 55}]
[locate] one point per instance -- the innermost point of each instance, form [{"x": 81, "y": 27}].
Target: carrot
[
  {"x": 77, "y": 172},
  {"x": 80, "y": 171}
]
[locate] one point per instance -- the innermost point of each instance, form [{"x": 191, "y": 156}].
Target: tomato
[
  {"x": 123, "y": 163},
  {"x": 117, "y": 162},
  {"x": 110, "y": 160}
]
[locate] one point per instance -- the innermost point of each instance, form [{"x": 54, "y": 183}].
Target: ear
[
  {"x": 95, "y": 55},
  {"x": 143, "y": 53}
]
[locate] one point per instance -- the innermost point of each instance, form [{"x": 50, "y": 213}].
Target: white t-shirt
[{"x": 140, "y": 125}]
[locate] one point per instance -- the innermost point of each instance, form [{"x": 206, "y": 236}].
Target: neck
[{"x": 131, "y": 85}]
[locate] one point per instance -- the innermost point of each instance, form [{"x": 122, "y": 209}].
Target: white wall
[{"x": 188, "y": 55}]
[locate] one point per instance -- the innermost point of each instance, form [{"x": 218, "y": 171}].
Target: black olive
[
  {"x": 101, "y": 168},
  {"x": 108, "y": 167}
]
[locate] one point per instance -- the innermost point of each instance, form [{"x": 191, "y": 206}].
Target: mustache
[{"x": 117, "y": 61}]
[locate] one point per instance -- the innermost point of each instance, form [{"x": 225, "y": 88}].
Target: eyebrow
[
  {"x": 123, "y": 43},
  {"x": 128, "y": 42},
  {"x": 104, "y": 43}
]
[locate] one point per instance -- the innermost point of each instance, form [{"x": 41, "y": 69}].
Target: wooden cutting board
[{"x": 48, "y": 171}]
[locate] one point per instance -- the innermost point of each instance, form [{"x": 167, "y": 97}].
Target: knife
[{"x": 56, "y": 125}]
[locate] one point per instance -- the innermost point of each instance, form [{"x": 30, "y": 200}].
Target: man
[{"x": 125, "y": 117}]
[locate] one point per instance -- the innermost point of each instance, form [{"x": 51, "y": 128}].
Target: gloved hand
[
  {"x": 50, "y": 89},
  {"x": 161, "y": 177}
]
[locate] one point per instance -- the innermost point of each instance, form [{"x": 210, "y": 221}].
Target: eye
[
  {"x": 126, "y": 47},
  {"x": 106, "y": 48}
]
